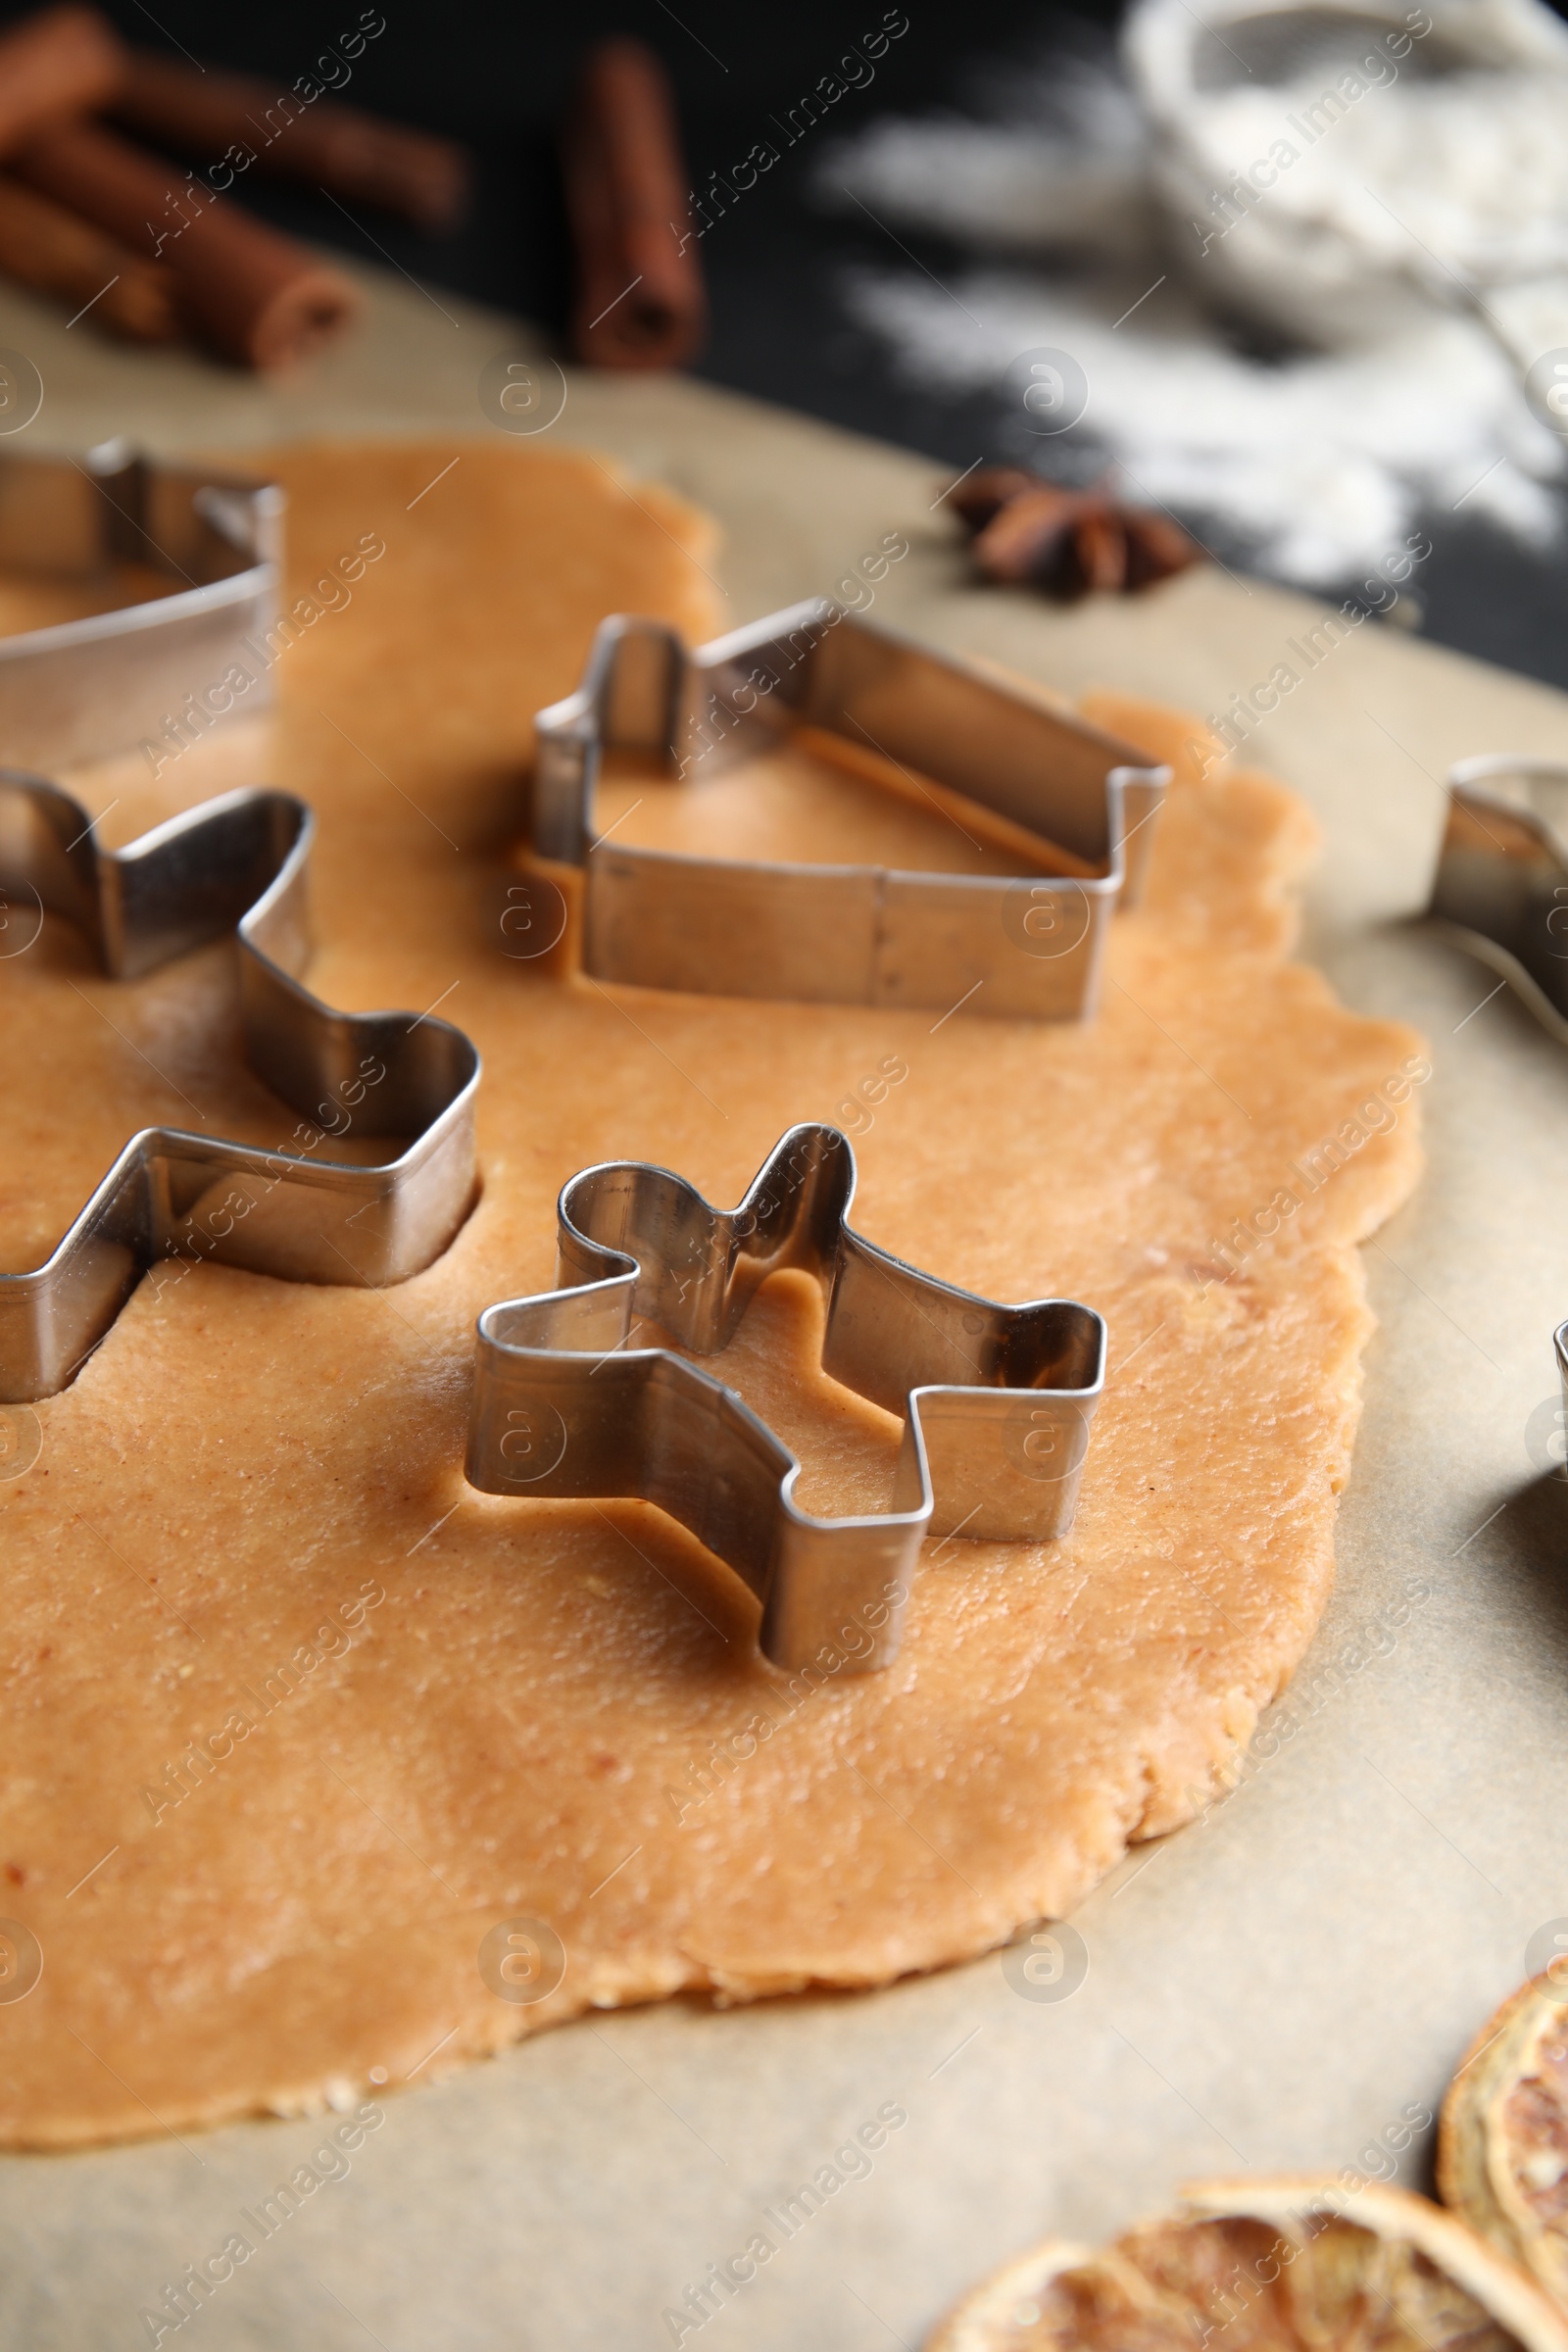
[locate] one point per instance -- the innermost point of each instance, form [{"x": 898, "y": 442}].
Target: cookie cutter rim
[
  {"x": 845, "y": 934},
  {"x": 1483, "y": 899},
  {"x": 79, "y": 690},
  {"x": 236, "y": 863},
  {"x": 563, "y": 1407}
]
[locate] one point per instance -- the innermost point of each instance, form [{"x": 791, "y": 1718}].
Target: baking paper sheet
[{"x": 1288, "y": 1984}]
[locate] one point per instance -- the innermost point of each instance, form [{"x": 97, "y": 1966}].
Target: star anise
[{"x": 1068, "y": 541}]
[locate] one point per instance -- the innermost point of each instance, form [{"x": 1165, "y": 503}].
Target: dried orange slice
[
  {"x": 1287, "y": 2265},
  {"x": 1502, "y": 2153}
]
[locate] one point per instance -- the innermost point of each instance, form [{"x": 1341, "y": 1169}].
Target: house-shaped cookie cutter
[
  {"x": 997, "y": 1401},
  {"x": 85, "y": 688},
  {"x": 1027, "y": 945}
]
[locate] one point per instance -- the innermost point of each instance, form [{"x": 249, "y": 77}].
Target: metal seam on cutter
[
  {"x": 1500, "y": 890},
  {"x": 118, "y": 678},
  {"x": 235, "y": 862},
  {"x": 1008, "y": 945},
  {"x": 997, "y": 1399}
]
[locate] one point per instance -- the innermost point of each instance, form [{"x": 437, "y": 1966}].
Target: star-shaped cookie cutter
[
  {"x": 1028, "y": 945},
  {"x": 997, "y": 1401},
  {"x": 1500, "y": 890},
  {"x": 157, "y": 671},
  {"x": 237, "y": 862}
]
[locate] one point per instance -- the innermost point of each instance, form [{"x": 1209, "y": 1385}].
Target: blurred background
[{"x": 1299, "y": 273}]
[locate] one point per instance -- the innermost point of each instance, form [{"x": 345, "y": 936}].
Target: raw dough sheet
[{"x": 333, "y": 1718}]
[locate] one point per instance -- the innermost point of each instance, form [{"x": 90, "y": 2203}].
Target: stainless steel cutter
[
  {"x": 238, "y": 863},
  {"x": 1029, "y": 945},
  {"x": 90, "y": 687},
  {"x": 1502, "y": 885},
  {"x": 997, "y": 1401}
]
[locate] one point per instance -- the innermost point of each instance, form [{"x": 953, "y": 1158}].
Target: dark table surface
[{"x": 774, "y": 262}]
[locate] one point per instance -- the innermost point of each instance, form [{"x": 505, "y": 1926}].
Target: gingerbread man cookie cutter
[
  {"x": 997, "y": 1401},
  {"x": 1029, "y": 945},
  {"x": 235, "y": 864}
]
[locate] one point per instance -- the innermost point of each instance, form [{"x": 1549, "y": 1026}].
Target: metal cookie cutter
[
  {"x": 89, "y": 687},
  {"x": 1501, "y": 891},
  {"x": 1502, "y": 885},
  {"x": 236, "y": 863},
  {"x": 841, "y": 934},
  {"x": 997, "y": 1399}
]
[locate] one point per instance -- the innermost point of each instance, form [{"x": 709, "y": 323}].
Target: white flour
[{"x": 1317, "y": 464}]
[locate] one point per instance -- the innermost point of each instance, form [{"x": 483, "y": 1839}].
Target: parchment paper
[{"x": 1288, "y": 1984}]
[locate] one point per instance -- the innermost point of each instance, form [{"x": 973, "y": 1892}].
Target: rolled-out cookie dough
[{"x": 295, "y": 1719}]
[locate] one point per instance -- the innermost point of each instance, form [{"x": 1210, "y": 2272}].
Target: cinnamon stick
[
  {"x": 62, "y": 62},
  {"x": 229, "y": 121},
  {"x": 43, "y": 245},
  {"x": 639, "y": 301},
  {"x": 258, "y": 296}
]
